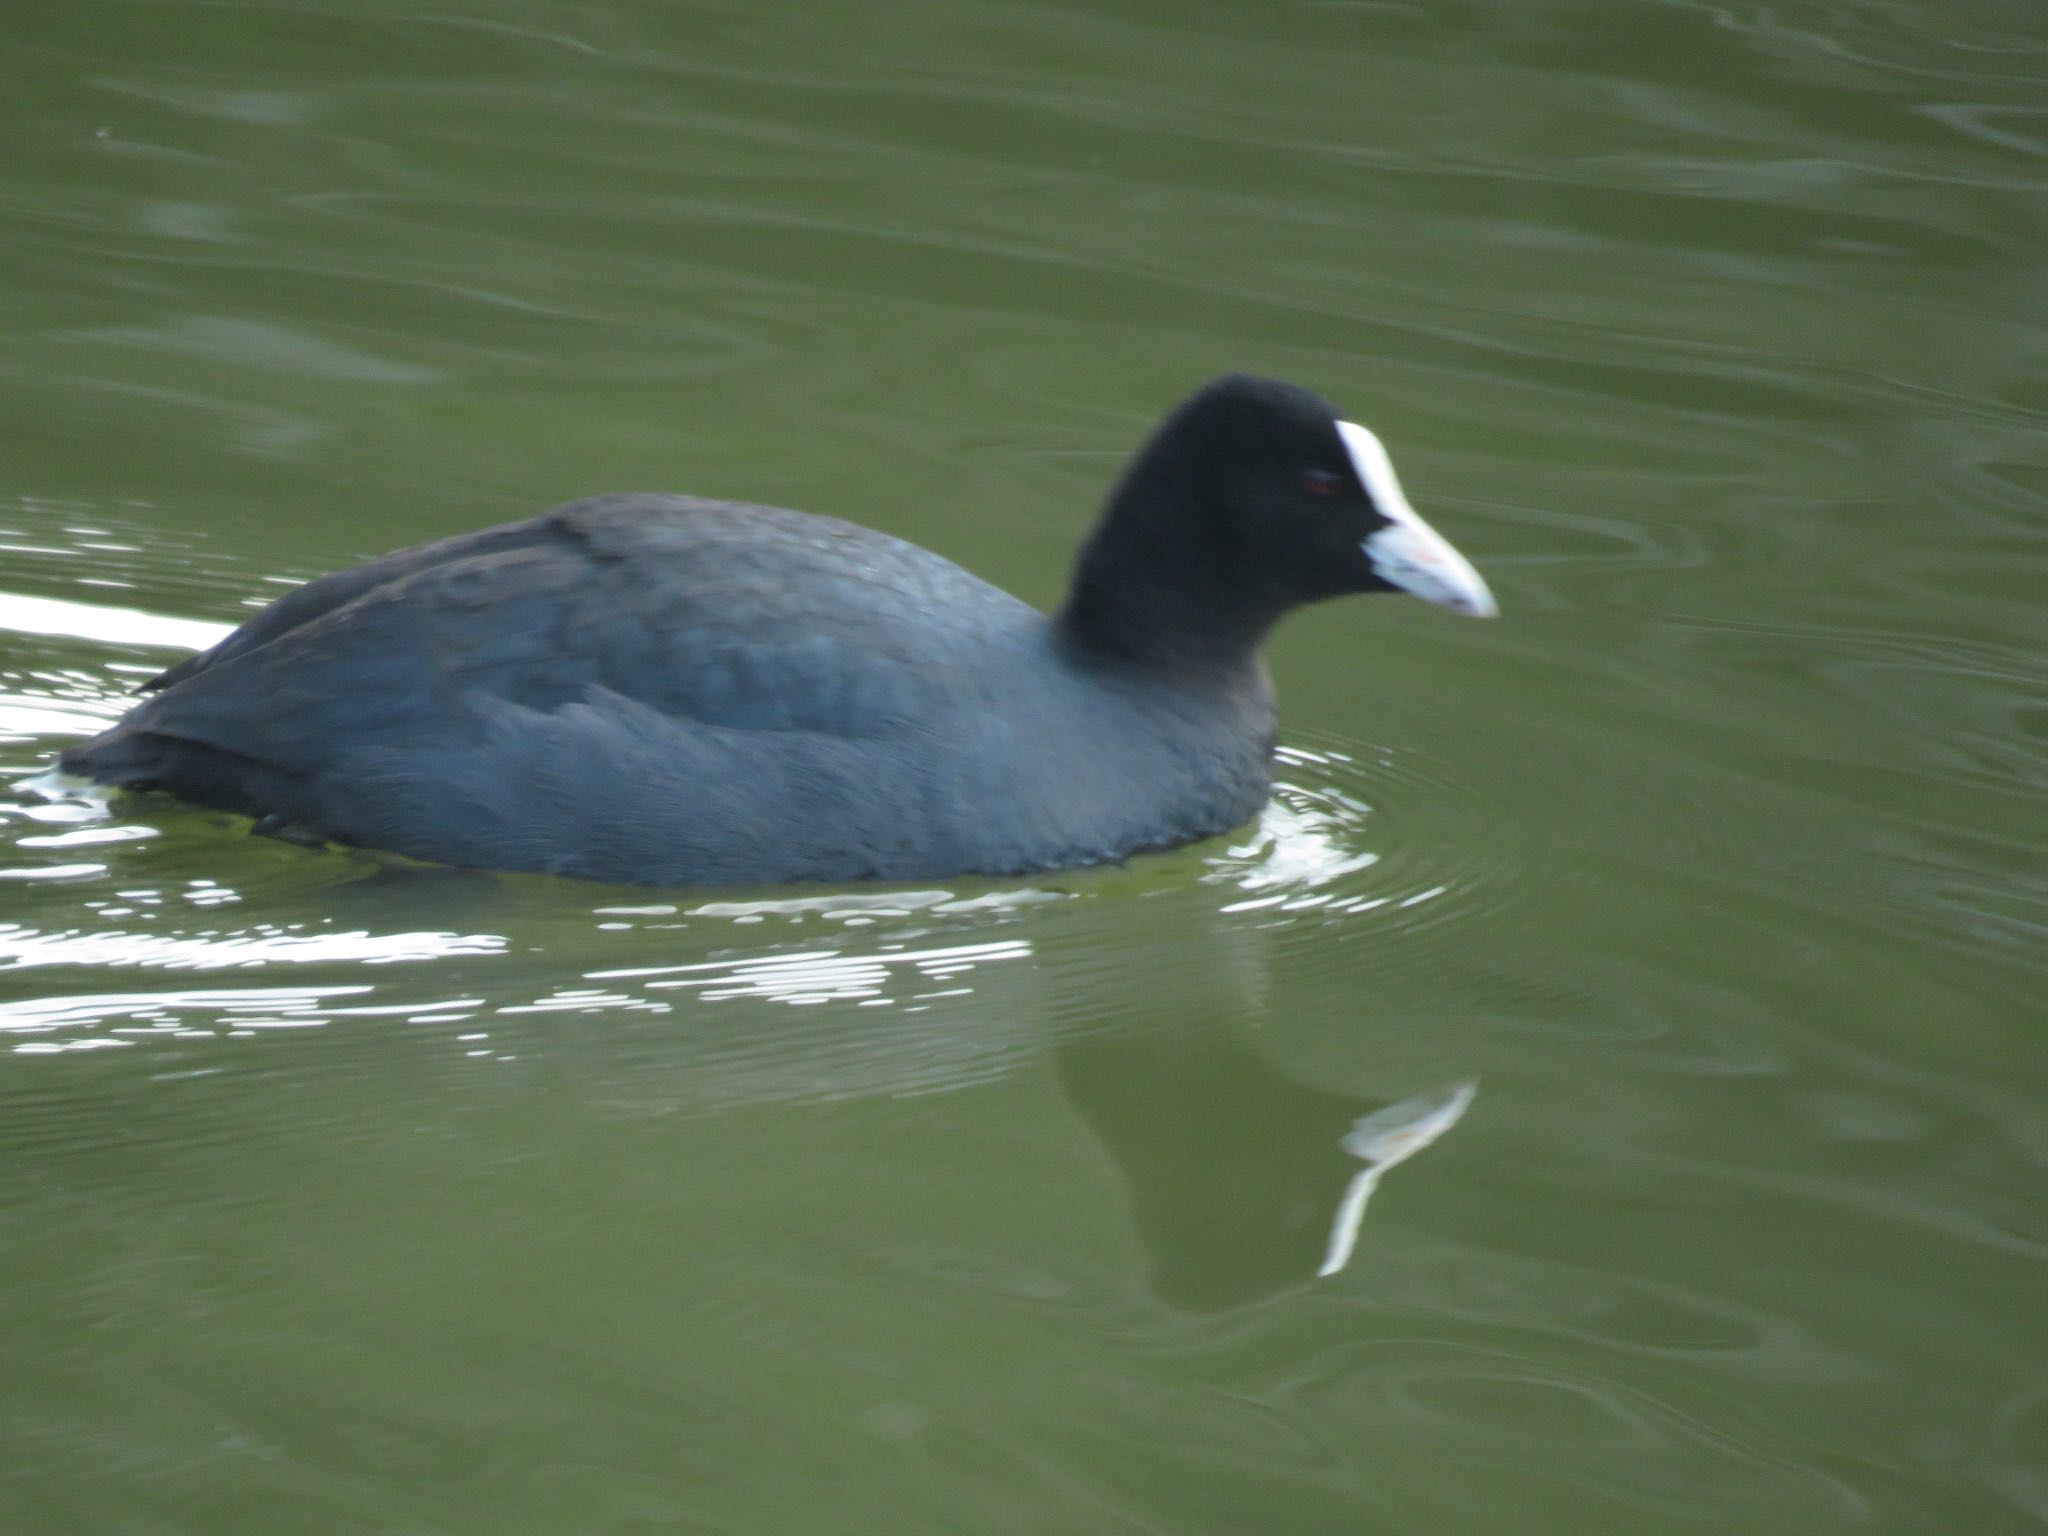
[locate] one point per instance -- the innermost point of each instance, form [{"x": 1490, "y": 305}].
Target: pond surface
[{"x": 345, "y": 1195}]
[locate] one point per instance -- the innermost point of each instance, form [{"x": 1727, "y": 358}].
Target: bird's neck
[{"x": 1145, "y": 596}]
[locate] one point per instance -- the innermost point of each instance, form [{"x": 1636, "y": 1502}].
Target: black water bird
[{"x": 671, "y": 691}]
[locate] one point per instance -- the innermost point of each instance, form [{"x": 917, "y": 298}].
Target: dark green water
[{"x": 337, "y": 1197}]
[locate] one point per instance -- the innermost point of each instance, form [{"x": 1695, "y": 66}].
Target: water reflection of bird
[{"x": 1242, "y": 1181}]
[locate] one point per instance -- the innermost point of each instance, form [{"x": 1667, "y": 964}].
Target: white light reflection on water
[
  {"x": 27, "y": 716},
  {"x": 109, "y": 625},
  {"x": 892, "y": 976},
  {"x": 54, "y": 872},
  {"x": 1309, "y": 837},
  {"x": 68, "y": 701},
  {"x": 85, "y": 837},
  {"x": 847, "y": 909},
  {"x": 43, "y": 1026},
  {"x": 23, "y": 947}
]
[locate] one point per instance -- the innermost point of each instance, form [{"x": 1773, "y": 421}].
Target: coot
[{"x": 664, "y": 690}]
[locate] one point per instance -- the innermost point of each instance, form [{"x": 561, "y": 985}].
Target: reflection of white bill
[{"x": 1382, "y": 1139}]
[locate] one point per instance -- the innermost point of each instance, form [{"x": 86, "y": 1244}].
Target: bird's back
[{"x": 540, "y": 695}]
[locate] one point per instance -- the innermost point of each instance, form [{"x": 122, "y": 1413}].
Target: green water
[{"x": 341, "y": 1197}]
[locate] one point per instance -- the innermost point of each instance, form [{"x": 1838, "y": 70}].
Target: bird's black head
[{"x": 1251, "y": 498}]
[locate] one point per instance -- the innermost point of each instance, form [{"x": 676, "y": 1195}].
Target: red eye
[{"x": 1320, "y": 482}]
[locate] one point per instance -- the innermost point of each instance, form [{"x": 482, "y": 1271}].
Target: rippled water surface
[{"x": 344, "y": 1195}]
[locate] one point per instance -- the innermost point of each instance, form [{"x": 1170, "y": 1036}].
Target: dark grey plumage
[{"x": 665, "y": 690}]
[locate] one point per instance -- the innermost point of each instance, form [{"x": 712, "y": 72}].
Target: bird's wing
[{"x": 740, "y": 617}]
